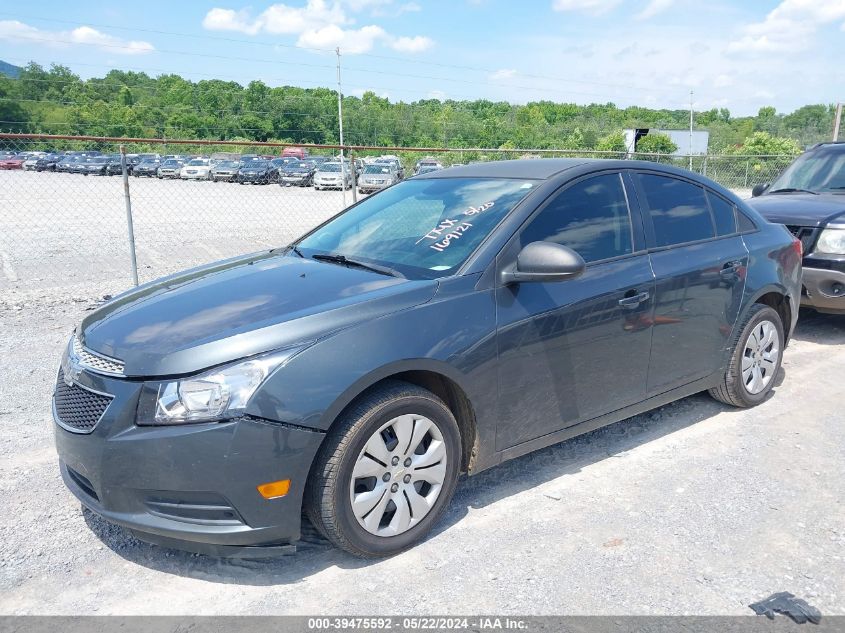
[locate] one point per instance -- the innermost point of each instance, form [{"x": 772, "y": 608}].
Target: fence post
[
  {"x": 130, "y": 228},
  {"x": 354, "y": 177},
  {"x": 747, "y": 166}
]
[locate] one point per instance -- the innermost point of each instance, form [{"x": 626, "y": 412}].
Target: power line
[{"x": 409, "y": 60}]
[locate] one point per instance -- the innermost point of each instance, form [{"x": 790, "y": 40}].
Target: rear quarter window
[{"x": 724, "y": 214}]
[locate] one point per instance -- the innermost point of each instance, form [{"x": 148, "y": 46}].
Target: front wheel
[
  {"x": 386, "y": 472},
  {"x": 755, "y": 361}
]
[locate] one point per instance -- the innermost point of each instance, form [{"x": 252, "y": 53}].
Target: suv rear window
[{"x": 678, "y": 209}]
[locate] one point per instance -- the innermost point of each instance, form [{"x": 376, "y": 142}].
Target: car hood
[
  {"x": 236, "y": 308},
  {"x": 799, "y": 209}
]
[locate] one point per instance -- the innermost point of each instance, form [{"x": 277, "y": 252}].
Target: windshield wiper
[
  {"x": 345, "y": 261},
  {"x": 793, "y": 190}
]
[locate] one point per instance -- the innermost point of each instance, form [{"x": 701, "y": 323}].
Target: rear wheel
[
  {"x": 755, "y": 361},
  {"x": 386, "y": 472}
]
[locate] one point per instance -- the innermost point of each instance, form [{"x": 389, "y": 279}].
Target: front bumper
[
  {"x": 824, "y": 284},
  {"x": 192, "y": 486}
]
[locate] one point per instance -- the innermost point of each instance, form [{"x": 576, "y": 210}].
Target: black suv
[
  {"x": 443, "y": 325},
  {"x": 809, "y": 198}
]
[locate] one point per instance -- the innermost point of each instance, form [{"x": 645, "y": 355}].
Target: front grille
[
  {"x": 805, "y": 234},
  {"x": 95, "y": 362},
  {"x": 76, "y": 407}
]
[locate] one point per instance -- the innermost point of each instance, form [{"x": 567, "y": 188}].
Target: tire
[
  {"x": 396, "y": 409},
  {"x": 750, "y": 360}
]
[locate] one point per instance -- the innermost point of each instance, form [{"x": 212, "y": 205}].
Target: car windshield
[
  {"x": 197, "y": 162},
  {"x": 820, "y": 170},
  {"x": 253, "y": 164},
  {"x": 330, "y": 167},
  {"x": 171, "y": 163},
  {"x": 97, "y": 160},
  {"x": 422, "y": 228},
  {"x": 228, "y": 164},
  {"x": 377, "y": 169}
]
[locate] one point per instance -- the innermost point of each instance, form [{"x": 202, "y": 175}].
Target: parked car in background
[
  {"x": 196, "y": 169},
  {"x": 115, "y": 166},
  {"x": 147, "y": 167},
  {"x": 66, "y": 162},
  {"x": 377, "y": 176},
  {"x": 255, "y": 171},
  {"x": 299, "y": 153},
  {"x": 225, "y": 170},
  {"x": 299, "y": 174},
  {"x": 427, "y": 165},
  {"x": 809, "y": 199},
  {"x": 91, "y": 165},
  {"x": 329, "y": 175},
  {"x": 392, "y": 160},
  {"x": 170, "y": 168},
  {"x": 48, "y": 162},
  {"x": 31, "y": 160},
  {"x": 12, "y": 162},
  {"x": 450, "y": 323}
]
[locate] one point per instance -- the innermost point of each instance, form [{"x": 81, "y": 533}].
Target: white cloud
[
  {"x": 350, "y": 41},
  {"x": 230, "y": 20},
  {"x": 320, "y": 24},
  {"x": 593, "y": 7},
  {"x": 15, "y": 31},
  {"x": 416, "y": 44},
  {"x": 789, "y": 27},
  {"x": 502, "y": 74},
  {"x": 653, "y": 8},
  {"x": 437, "y": 94}
]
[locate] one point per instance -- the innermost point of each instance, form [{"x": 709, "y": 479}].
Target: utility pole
[
  {"x": 340, "y": 126},
  {"x": 837, "y": 121},
  {"x": 690, "y": 130}
]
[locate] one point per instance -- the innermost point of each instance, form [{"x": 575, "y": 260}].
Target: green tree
[
  {"x": 613, "y": 142},
  {"x": 764, "y": 144},
  {"x": 656, "y": 143}
]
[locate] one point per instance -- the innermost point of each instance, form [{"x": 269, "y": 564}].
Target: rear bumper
[
  {"x": 824, "y": 289},
  {"x": 191, "y": 487}
]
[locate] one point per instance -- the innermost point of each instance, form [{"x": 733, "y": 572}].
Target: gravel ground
[{"x": 694, "y": 508}]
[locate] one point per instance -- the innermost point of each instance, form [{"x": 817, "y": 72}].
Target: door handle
[
  {"x": 634, "y": 300},
  {"x": 729, "y": 270}
]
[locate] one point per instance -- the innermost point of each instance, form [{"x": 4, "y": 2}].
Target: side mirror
[
  {"x": 759, "y": 189},
  {"x": 544, "y": 261}
]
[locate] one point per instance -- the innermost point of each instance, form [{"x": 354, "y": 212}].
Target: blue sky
[{"x": 735, "y": 54}]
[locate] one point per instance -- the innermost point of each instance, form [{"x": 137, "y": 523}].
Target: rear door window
[{"x": 678, "y": 209}]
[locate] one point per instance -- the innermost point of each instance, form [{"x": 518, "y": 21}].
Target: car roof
[{"x": 539, "y": 169}]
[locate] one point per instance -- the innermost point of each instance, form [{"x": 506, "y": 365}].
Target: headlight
[
  {"x": 215, "y": 395},
  {"x": 831, "y": 241}
]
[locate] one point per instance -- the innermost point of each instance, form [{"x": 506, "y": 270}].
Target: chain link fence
[{"x": 64, "y": 229}]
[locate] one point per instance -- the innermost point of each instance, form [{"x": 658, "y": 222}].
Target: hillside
[{"x": 10, "y": 70}]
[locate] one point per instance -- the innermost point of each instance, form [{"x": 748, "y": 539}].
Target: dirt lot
[
  {"x": 695, "y": 508},
  {"x": 66, "y": 234}
]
